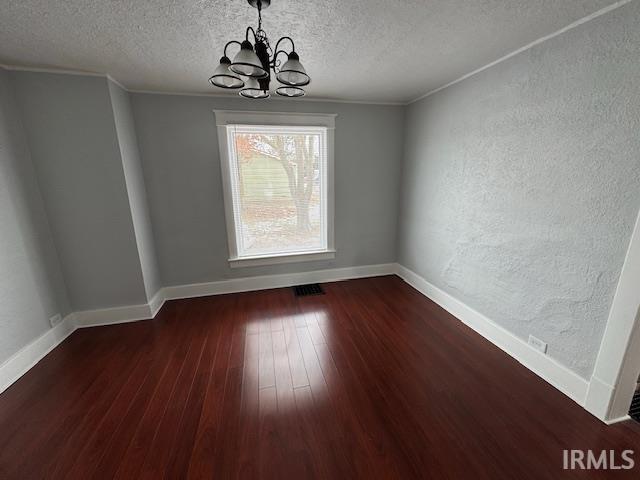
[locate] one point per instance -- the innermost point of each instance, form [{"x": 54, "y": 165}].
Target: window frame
[{"x": 225, "y": 118}]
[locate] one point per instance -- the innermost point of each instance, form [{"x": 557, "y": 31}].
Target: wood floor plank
[
  {"x": 299, "y": 377},
  {"x": 159, "y": 451},
  {"x": 36, "y": 382},
  {"x": 50, "y": 436},
  {"x": 136, "y": 453},
  {"x": 248, "y": 423},
  {"x": 225, "y": 452},
  {"x": 271, "y": 457},
  {"x": 266, "y": 370},
  {"x": 185, "y": 435},
  {"x": 102, "y": 419},
  {"x": 62, "y": 378},
  {"x": 369, "y": 380},
  {"x": 317, "y": 383},
  {"x": 169, "y": 337},
  {"x": 202, "y": 462}
]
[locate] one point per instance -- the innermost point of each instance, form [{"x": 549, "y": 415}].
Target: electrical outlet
[
  {"x": 56, "y": 319},
  {"x": 537, "y": 344}
]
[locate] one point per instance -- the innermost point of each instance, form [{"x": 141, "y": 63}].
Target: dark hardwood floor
[{"x": 371, "y": 380}]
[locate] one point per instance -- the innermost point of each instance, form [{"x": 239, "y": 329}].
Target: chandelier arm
[
  {"x": 285, "y": 38},
  {"x": 255, "y": 38},
  {"x": 229, "y": 43},
  {"x": 274, "y": 59}
]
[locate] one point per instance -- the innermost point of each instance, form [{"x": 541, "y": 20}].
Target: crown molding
[
  {"x": 61, "y": 71},
  {"x": 282, "y": 99},
  {"x": 109, "y": 77}
]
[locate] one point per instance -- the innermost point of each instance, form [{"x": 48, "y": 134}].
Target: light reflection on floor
[{"x": 286, "y": 362}]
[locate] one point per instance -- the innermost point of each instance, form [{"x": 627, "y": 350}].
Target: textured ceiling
[{"x": 375, "y": 50}]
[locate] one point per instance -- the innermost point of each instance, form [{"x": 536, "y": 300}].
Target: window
[{"x": 278, "y": 186}]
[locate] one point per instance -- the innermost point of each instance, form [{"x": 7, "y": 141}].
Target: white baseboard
[
  {"x": 109, "y": 316},
  {"x": 624, "y": 418},
  {"x": 568, "y": 382},
  {"x": 156, "y": 302},
  {"x": 266, "y": 282},
  {"x": 23, "y": 360},
  {"x": 598, "y": 398}
]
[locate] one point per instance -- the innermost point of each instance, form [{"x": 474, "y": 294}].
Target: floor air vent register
[{"x": 305, "y": 290}]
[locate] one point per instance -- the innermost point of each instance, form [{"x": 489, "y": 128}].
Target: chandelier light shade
[
  {"x": 293, "y": 73},
  {"x": 252, "y": 89},
  {"x": 224, "y": 78},
  {"x": 285, "y": 91},
  {"x": 252, "y": 66},
  {"x": 247, "y": 63}
]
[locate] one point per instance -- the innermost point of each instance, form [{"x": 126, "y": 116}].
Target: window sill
[{"x": 259, "y": 260}]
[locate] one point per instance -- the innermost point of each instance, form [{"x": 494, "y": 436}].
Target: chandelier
[{"x": 251, "y": 68}]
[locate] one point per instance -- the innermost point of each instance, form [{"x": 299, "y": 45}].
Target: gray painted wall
[
  {"x": 31, "y": 284},
  {"x": 72, "y": 135},
  {"x": 521, "y": 185},
  {"x": 179, "y": 147},
  {"x": 136, "y": 190}
]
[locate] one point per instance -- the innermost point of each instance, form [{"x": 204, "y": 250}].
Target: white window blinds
[{"x": 278, "y": 180}]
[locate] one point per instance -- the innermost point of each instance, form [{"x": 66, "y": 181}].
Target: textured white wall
[
  {"x": 31, "y": 284},
  {"x": 521, "y": 185}
]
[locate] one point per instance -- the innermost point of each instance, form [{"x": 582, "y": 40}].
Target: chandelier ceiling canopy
[{"x": 250, "y": 71}]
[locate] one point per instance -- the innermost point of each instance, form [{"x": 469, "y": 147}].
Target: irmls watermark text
[{"x": 597, "y": 460}]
